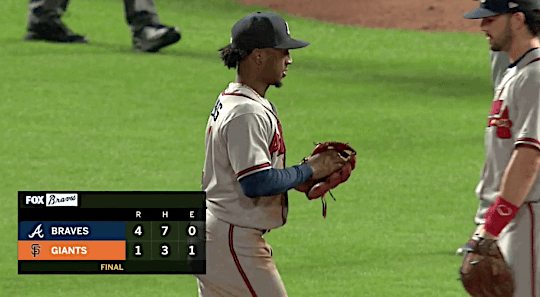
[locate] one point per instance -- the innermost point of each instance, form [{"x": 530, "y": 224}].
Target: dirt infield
[{"x": 426, "y": 15}]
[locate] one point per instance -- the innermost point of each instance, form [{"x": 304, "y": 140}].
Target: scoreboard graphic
[{"x": 111, "y": 232}]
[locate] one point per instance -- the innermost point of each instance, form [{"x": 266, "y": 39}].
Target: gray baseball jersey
[
  {"x": 243, "y": 136},
  {"x": 514, "y": 119},
  {"x": 499, "y": 64}
]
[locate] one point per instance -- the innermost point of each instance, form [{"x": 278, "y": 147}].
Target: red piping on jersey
[
  {"x": 238, "y": 94},
  {"x": 237, "y": 262},
  {"x": 252, "y": 168},
  {"x": 529, "y": 140},
  {"x": 535, "y": 60},
  {"x": 533, "y": 262},
  {"x": 235, "y": 94}
]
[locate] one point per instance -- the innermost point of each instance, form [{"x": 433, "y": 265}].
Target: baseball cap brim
[
  {"x": 479, "y": 13},
  {"x": 292, "y": 43}
]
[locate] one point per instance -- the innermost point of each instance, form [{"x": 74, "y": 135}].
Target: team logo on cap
[
  {"x": 512, "y": 4},
  {"x": 287, "y": 26}
]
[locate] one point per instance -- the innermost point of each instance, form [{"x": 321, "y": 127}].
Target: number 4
[{"x": 138, "y": 231}]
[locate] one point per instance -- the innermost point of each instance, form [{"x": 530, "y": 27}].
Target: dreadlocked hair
[
  {"x": 532, "y": 19},
  {"x": 232, "y": 56}
]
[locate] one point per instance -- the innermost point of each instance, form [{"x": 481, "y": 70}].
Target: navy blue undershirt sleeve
[{"x": 275, "y": 181}]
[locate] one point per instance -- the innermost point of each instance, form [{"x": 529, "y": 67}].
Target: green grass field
[{"x": 100, "y": 117}]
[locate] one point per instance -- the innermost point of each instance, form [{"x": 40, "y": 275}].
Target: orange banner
[{"x": 72, "y": 250}]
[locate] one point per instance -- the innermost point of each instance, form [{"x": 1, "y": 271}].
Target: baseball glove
[
  {"x": 484, "y": 272},
  {"x": 318, "y": 188}
]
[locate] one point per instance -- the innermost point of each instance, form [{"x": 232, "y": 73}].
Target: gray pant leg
[
  {"x": 483, "y": 207},
  {"x": 520, "y": 246},
  {"x": 40, "y": 9},
  {"x": 140, "y": 13}
]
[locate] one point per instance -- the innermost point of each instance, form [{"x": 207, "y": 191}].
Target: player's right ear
[{"x": 257, "y": 56}]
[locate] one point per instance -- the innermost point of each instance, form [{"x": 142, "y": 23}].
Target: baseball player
[
  {"x": 245, "y": 177},
  {"x": 148, "y": 34},
  {"x": 499, "y": 64},
  {"x": 509, "y": 187}
]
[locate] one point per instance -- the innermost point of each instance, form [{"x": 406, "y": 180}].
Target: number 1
[
  {"x": 138, "y": 250},
  {"x": 192, "y": 250}
]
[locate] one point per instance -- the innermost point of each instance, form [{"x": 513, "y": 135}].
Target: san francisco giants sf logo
[{"x": 35, "y": 249}]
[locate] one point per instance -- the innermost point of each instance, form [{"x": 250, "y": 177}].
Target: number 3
[{"x": 164, "y": 250}]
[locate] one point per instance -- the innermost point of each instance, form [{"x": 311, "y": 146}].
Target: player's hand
[
  {"x": 484, "y": 234},
  {"x": 479, "y": 232},
  {"x": 325, "y": 163}
]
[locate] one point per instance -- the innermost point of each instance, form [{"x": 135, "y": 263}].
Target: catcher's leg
[
  {"x": 238, "y": 263},
  {"x": 520, "y": 244}
]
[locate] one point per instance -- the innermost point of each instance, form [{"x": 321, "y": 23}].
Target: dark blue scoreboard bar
[{"x": 80, "y": 232}]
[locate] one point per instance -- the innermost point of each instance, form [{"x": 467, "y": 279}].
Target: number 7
[{"x": 165, "y": 230}]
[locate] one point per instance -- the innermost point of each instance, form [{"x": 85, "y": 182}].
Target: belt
[{"x": 264, "y": 231}]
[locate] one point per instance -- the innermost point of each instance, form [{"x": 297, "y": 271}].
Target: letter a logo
[{"x": 37, "y": 231}]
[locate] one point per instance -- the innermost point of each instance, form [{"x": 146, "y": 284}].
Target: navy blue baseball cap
[
  {"x": 263, "y": 30},
  {"x": 496, "y": 7}
]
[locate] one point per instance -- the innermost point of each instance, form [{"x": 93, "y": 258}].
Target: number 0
[{"x": 192, "y": 230}]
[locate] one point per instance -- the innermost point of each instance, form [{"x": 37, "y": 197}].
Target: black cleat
[
  {"x": 152, "y": 38},
  {"x": 52, "y": 30}
]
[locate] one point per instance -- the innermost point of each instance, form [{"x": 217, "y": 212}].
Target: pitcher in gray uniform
[
  {"x": 148, "y": 34},
  {"x": 245, "y": 177},
  {"x": 509, "y": 187},
  {"x": 499, "y": 64}
]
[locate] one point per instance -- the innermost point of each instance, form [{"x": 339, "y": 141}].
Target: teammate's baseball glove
[
  {"x": 318, "y": 188},
  {"x": 484, "y": 272}
]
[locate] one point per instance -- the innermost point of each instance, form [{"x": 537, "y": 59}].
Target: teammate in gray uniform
[
  {"x": 148, "y": 34},
  {"x": 245, "y": 177},
  {"x": 509, "y": 187},
  {"x": 499, "y": 64}
]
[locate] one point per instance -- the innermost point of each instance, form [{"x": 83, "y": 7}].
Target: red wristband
[{"x": 499, "y": 215}]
